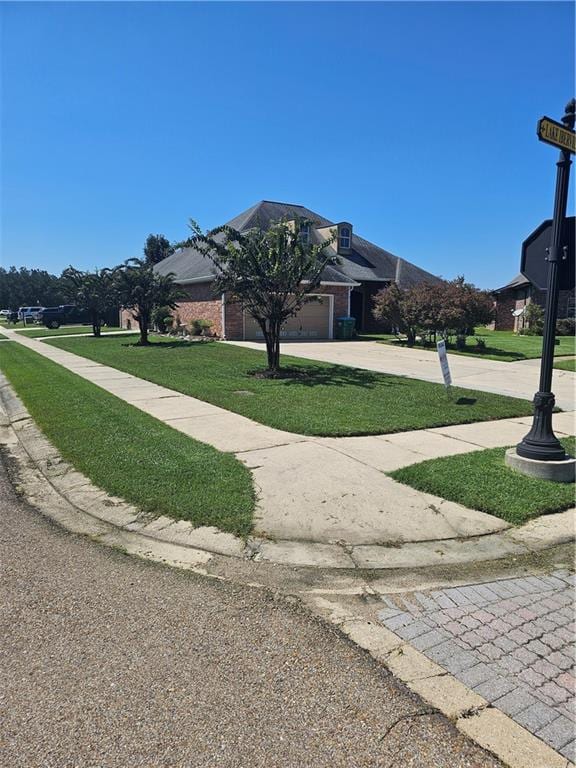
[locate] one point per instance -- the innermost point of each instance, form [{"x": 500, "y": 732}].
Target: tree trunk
[
  {"x": 96, "y": 324},
  {"x": 143, "y": 325},
  {"x": 272, "y": 337}
]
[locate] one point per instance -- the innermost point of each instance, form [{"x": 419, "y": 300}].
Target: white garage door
[{"x": 312, "y": 322}]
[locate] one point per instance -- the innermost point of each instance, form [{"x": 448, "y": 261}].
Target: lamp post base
[
  {"x": 541, "y": 444},
  {"x": 563, "y": 471}
]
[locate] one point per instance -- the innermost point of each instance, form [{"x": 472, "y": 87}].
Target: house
[
  {"x": 346, "y": 289},
  {"x": 511, "y": 300}
]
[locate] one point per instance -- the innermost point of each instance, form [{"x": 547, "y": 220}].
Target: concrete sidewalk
[
  {"x": 327, "y": 501},
  {"x": 518, "y": 379}
]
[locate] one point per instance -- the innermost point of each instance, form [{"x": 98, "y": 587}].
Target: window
[
  {"x": 344, "y": 237},
  {"x": 304, "y": 234}
]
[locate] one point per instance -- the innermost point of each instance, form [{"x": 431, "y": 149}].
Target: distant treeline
[{"x": 30, "y": 288}]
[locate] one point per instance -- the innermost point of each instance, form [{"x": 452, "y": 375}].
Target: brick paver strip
[{"x": 511, "y": 641}]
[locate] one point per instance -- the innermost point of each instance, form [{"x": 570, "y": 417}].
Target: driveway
[
  {"x": 111, "y": 661},
  {"x": 518, "y": 379}
]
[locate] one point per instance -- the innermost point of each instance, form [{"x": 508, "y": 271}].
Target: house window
[
  {"x": 344, "y": 237},
  {"x": 304, "y": 234}
]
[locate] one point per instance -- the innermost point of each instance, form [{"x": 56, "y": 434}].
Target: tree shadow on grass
[
  {"x": 331, "y": 376},
  {"x": 168, "y": 344},
  {"x": 492, "y": 352}
]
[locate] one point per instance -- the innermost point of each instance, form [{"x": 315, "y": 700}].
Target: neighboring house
[
  {"x": 347, "y": 288},
  {"x": 512, "y": 299}
]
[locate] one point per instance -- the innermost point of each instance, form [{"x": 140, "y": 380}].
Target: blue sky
[{"x": 414, "y": 121}]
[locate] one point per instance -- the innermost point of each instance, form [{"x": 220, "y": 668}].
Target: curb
[{"x": 535, "y": 536}]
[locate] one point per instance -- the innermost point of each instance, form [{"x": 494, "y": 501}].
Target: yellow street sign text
[{"x": 556, "y": 134}]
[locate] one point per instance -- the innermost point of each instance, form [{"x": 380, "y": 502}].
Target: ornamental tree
[
  {"x": 141, "y": 290},
  {"x": 270, "y": 273},
  {"x": 401, "y": 309},
  {"x": 447, "y": 308},
  {"x": 94, "y": 292}
]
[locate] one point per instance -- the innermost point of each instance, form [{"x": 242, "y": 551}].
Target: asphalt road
[{"x": 107, "y": 661}]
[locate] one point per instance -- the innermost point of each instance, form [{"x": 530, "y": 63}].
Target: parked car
[
  {"x": 29, "y": 313},
  {"x": 5, "y": 312},
  {"x": 65, "y": 314}
]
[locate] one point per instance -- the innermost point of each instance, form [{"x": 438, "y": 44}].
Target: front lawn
[
  {"x": 65, "y": 330},
  {"x": 566, "y": 365},
  {"x": 480, "y": 480},
  {"x": 127, "y": 452},
  {"x": 326, "y": 399},
  {"x": 500, "y": 345}
]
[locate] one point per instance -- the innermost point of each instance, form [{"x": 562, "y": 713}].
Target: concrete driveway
[{"x": 514, "y": 379}]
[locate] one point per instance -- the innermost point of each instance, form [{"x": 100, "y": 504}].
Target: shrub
[
  {"x": 566, "y": 326},
  {"x": 160, "y": 318},
  {"x": 200, "y": 327},
  {"x": 480, "y": 343},
  {"x": 534, "y": 317}
]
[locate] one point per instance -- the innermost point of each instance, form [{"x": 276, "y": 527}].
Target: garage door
[{"x": 312, "y": 322}]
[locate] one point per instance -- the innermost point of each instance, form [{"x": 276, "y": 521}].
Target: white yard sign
[{"x": 441, "y": 346}]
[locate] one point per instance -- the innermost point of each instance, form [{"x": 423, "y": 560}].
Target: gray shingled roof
[
  {"x": 518, "y": 282},
  {"x": 366, "y": 262}
]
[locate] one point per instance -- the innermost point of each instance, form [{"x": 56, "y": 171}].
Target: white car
[
  {"x": 30, "y": 313},
  {"x": 4, "y": 312}
]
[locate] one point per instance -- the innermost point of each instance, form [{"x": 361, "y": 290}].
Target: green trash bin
[{"x": 345, "y": 327}]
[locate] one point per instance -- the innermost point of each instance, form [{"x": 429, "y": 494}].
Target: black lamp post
[{"x": 541, "y": 443}]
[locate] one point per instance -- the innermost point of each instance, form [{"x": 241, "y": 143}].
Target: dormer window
[
  {"x": 344, "y": 238},
  {"x": 304, "y": 234}
]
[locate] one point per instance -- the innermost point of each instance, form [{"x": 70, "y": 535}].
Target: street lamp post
[{"x": 541, "y": 443}]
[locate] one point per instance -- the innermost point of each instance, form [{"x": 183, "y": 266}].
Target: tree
[
  {"x": 29, "y": 287},
  {"x": 463, "y": 307},
  {"x": 449, "y": 308},
  {"x": 402, "y": 310},
  {"x": 95, "y": 292},
  {"x": 141, "y": 290},
  {"x": 156, "y": 248},
  {"x": 270, "y": 273}
]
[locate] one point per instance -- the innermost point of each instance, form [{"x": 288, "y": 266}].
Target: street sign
[
  {"x": 443, "y": 357},
  {"x": 533, "y": 263},
  {"x": 556, "y": 134}
]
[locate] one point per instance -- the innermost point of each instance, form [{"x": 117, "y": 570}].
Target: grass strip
[
  {"x": 566, "y": 365},
  {"x": 64, "y": 330},
  {"x": 481, "y": 480},
  {"x": 327, "y": 399},
  {"x": 129, "y": 453},
  {"x": 504, "y": 346}
]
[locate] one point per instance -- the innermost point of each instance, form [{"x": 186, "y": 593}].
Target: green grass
[
  {"x": 127, "y": 452},
  {"x": 566, "y": 365},
  {"x": 501, "y": 345},
  {"x": 480, "y": 480},
  {"x": 327, "y": 400},
  {"x": 64, "y": 330}
]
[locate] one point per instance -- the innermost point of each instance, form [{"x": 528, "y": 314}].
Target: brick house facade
[
  {"x": 510, "y": 300},
  {"x": 202, "y": 303}
]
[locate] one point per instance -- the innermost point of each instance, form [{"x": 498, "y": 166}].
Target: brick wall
[
  {"x": 200, "y": 303},
  {"x": 507, "y": 301},
  {"x": 504, "y": 305}
]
